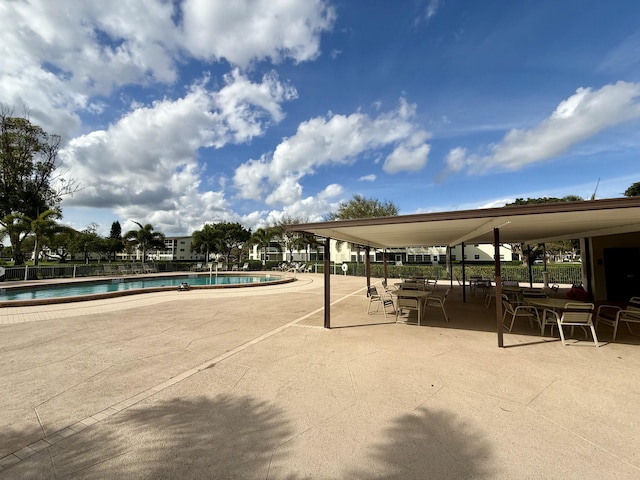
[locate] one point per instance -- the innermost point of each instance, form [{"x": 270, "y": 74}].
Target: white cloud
[
  {"x": 287, "y": 192},
  {"x": 409, "y": 156},
  {"x": 501, "y": 202},
  {"x": 335, "y": 140},
  {"x": 432, "y": 8},
  {"x": 148, "y": 160},
  {"x": 368, "y": 178},
  {"x": 312, "y": 209},
  {"x": 623, "y": 57},
  {"x": 576, "y": 119},
  {"x": 242, "y": 31},
  {"x": 56, "y": 57},
  {"x": 90, "y": 46},
  {"x": 245, "y": 105}
]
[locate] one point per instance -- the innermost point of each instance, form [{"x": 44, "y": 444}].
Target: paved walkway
[{"x": 246, "y": 383}]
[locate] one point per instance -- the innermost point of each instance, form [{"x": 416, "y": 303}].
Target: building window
[
  {"x": 453, "y": 258},
  {"x": 476, "y": 257}
]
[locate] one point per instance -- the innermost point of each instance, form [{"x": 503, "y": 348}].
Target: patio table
[
  {"x": 411, "y": 286},
  {"x": 419, "y": 295},
  {"x": 554, "y": 304},
  {"x": 550, "y": 303}
]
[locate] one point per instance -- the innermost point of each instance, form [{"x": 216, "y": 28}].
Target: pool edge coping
[{"x": 134, "y": 291}]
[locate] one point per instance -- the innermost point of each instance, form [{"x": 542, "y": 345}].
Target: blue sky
[{"x": 187, "y": 112}]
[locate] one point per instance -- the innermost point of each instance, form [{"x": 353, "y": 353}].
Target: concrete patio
[{"x": 245, "y": 383}]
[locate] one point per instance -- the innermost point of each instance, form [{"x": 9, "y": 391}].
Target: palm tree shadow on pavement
[
  {"x": 222, "y": 437},
  {"x": 432, "y": 444},
  {"x": 227, "y": 437}
]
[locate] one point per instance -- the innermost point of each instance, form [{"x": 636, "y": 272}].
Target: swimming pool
[{"x": 78, "y": 291}]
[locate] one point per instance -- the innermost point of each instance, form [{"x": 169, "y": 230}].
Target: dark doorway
[{"x": 622, "y": 272}]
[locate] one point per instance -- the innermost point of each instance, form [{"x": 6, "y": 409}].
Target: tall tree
[
  {"x": 567, "y": 198},
  {"x": 361, "y": 207},
  {"x": 63, "y": 244},
  {"x": 557, "y": 248},
  {"x": 30, "y": 178},
  {"x": 145, "y": 239},
  {"x": 231, "y": 236},
  {"x": 113, "y": 243},
  {"x": 633, "y": 190},
  {"x": 88, "y": 241},
  {"x": 290, "y": 240}
]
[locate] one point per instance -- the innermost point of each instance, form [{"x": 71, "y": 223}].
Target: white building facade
[{"x": 344, "y": 252}]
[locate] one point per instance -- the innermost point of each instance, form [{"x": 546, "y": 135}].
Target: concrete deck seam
[{"x": 587, "y": 440}]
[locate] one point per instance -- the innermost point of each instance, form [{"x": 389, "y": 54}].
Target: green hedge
[{"x": 558, "y": 273}]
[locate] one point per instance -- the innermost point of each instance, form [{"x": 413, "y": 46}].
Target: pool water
[{"x": 121, "y": 284}]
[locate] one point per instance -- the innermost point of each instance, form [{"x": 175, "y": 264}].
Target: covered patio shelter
[{"x": 597, "y": 223}]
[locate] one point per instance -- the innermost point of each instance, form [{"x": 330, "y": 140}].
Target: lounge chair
[
  {"x": 110, "y": 270},
  {"x": 149, "y": 268},
  {"x": 245, "y": 267},
  {"x": 124, "y": 269},
  {"x": 137, "y": 268}
]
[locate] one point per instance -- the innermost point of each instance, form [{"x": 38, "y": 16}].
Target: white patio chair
[
  {"x": 438, "y": 301},
  {"x": 518, "y": 311},
  {"x": 386, "y": 287},
  {"x": 491, "y": 293},
  {"x": 379, "y": 299},
  {"x": 548, "y": 317},
  {"x": 576, "y": 315},
  {"x": 612, "y": 315}
]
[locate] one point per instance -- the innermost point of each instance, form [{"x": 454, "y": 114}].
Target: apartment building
[{"x": 344, "y": 252}]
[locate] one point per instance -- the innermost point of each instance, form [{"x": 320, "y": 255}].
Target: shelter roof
[{"x": 534, "y": 223}]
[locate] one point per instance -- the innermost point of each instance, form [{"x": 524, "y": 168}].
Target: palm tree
[
  {"x": 145, "y": 239},
  {"x": 206, "y": 240},
  {"x": 16, "y": 226},
  {"x": 43, "y": 227},
  {"x": 262, "y": 238}
]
